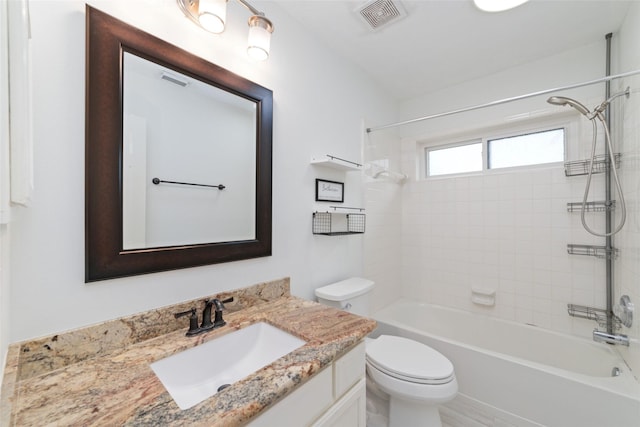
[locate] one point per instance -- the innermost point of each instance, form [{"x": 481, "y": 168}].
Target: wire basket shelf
[
  {"x": 581, "y": 167},
  {"x": 323, "y": 223},
  {"x": 598, "y": 314},
  {"x": 591, "y": 250},
  {"x": 599, "y": 206}
]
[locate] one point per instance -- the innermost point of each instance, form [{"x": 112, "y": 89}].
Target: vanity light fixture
[
  {"x": 212, "y": 15},
  {"x": 497, "y": 5}
]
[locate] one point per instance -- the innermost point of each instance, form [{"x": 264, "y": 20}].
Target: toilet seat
[{"x": 409, "y": 360}]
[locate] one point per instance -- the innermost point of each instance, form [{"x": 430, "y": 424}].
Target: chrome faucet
[
  {"x": 622, "y": 313},
  {"x": 620, "y": 339}
]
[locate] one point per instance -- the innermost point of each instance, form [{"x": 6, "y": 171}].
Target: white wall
[
  {"x": 320, "y": 103},
  {"x": 4, "y": 186}
]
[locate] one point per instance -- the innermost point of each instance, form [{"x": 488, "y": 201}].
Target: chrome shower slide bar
[
  {"x": 504, "y": 101},
  {"x": 157, "y": 181}
]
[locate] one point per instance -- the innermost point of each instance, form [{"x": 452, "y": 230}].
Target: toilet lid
[{"x": 409, "y": 360}]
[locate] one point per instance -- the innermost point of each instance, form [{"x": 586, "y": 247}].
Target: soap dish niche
[{"x": 483, "y": 296}]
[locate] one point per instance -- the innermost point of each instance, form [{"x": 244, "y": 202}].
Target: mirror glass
[
  {"x": 189, "y": 165},
  {"x": 178, "y": 157}
]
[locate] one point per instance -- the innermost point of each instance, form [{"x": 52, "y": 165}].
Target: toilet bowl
[
  {"x": 416, "y": 378},
  {"x": 410, "y": 376}
]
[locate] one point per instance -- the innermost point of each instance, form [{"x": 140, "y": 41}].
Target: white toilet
[{"x": 413, "y": 377}]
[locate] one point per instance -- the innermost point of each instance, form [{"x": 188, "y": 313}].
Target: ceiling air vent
[{"x": 378, "y": 13}]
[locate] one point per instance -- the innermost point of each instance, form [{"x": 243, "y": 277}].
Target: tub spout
[{"x": 600, "y": 336}]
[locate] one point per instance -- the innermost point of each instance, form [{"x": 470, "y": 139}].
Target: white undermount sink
[{"x": 193, "y": 375}]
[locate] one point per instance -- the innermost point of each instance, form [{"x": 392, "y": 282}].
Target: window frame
[
  {"x": 484, "y": 135},
  {"x": 488, "y": 141}
]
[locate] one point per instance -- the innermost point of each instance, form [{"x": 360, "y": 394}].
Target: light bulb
[
  {"x": 212, "y": 15},
  {"x": 260, "y": 29},
  {"x": 497, "y": 5}
]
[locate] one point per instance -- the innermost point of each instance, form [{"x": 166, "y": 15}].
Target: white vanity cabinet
[{"x": 335, "y": 397}]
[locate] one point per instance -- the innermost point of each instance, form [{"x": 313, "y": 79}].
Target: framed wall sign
[{"x": 329, "y": 191}]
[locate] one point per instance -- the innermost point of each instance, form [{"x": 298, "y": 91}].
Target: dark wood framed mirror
[{"x": 108, "y": 253}]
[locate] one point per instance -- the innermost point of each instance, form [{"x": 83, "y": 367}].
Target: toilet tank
[{"x": 350, "y": 295}]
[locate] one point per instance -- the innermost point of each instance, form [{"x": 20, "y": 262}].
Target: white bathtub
[{"x": 534, "y": 375}]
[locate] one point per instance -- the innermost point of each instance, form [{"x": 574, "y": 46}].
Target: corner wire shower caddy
[
  {"x": 601, "y": 164},
  {"x": 613, "y": 317}
]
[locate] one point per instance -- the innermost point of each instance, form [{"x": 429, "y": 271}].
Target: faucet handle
[
  {"x": 218, "y": 320},
  {"x": 220, "y": 304},
  {"x": 193, "y": 320}
]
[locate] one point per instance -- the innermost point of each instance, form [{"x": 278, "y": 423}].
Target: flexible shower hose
[{"x": 612, "y": 165}]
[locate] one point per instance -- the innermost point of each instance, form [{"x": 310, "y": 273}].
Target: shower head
[{"x": 561, "y": 100}]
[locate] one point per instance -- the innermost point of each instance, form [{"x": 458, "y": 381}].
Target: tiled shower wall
[
  {"x": 627, "y": 267},
  {"x": 627, "y": 125},
  {"x": 383, "y": 203},
  {"x": 505, "y": 232}
]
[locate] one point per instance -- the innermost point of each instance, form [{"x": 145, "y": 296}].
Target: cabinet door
[
  {"x": 302, "y": 406},
  {"x": 349, "y": 411},
  {"x": 348, "y": 370}
]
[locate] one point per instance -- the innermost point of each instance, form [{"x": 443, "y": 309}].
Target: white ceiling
[{"x": 444, "y": 42}]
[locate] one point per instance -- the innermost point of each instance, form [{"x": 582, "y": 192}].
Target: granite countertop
[{"x": 114, "y": 385}]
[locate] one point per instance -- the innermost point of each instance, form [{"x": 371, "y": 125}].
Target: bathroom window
[
  {"x": 510, "y": 148},
  {"x": 528, "y": 149},
  {"x": 459, "y": 158}
]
